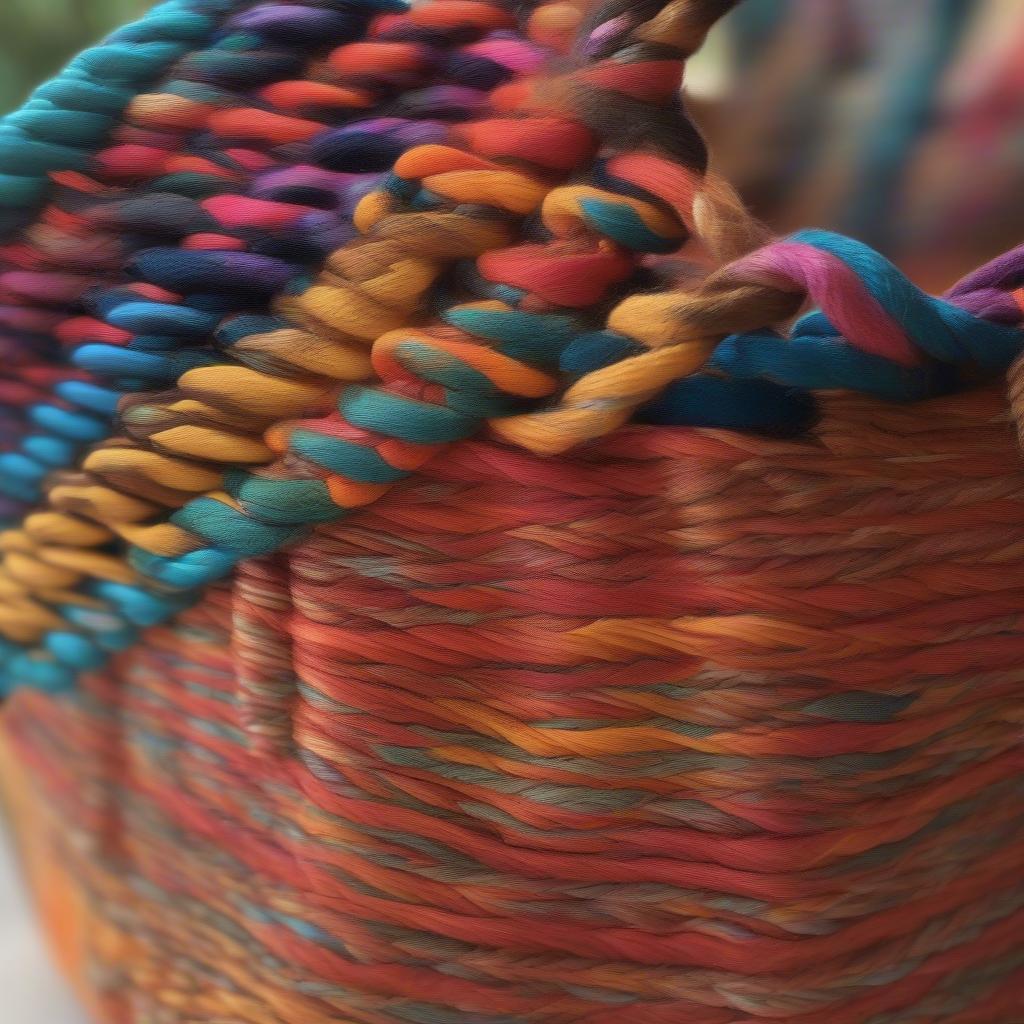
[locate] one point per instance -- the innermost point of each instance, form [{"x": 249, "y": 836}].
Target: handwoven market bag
[{"x": 609, "y": 647}]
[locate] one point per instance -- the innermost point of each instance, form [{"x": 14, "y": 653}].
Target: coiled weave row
[
  {"x": 274, "y": 225},
  {"x": 179, "y": 201},
  {"x": 688, "y": 726},
  {"x": 317, "y": 348},
  {"x": 81, "y": 106}
]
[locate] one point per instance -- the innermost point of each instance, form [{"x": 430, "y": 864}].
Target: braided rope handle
[
  {"x": 52, "y": 552},
  {"x": 873, "y": 331}
]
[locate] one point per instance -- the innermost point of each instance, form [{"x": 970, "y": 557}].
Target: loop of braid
[
  {"x": 142, "y": 189},
  {"x": 996, "y": 291},
  {"x": 160, "y": 205},
  {"x": 196, "y": 192},
  {"x": 276, "y": 205},
  {"x": 339, "y": 151},
  {"x": 52, "y": 136},
  {"x": 972, "y": 332},
  {"x": 629, "y": 77},
  {"x": 443, "y": 381},
  {"x": 874, "y": 332}
]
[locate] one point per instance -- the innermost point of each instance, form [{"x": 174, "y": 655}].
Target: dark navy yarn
[
  {"x": 476, "y": 71},
  {"x": 759, "y": 406},
  {"x": 589, "y": 352},
  {"x": 180, "y": 270},
  {"x": 231, "y": 69},
  {"x": 356, "y": 152},
  {"x": 301, "y": 25},
  {"x": 154, "y": 213}
]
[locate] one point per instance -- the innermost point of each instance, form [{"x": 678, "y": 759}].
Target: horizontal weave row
[{"x": 427, "y": 767}]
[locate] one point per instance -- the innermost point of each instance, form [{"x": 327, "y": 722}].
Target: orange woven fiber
[{"x": 688, "y": 728}]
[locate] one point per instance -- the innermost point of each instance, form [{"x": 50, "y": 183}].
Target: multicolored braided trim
[
  {"x": 141, "y": 188},
  {"x": 324, "y": 336},
  {"x": 276, "y": 221}
]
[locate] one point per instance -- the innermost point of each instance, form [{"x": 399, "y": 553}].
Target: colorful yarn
[
  {"x": 611, "y": 738},
  {"x": 875, "y": 332},
  {"x": 55, "y": 131},
  {"x": 299, "y": 502},
  {"x": 68, "y": 118},
  {"x": 360, "y": 145},
  {"x": 55, "y": 264},
  {"x": 340, "y": 470},
  {"x": 695, "y": 725},
  {"x": 388, "y": 138},
  {"x": 283, "y": 501}
]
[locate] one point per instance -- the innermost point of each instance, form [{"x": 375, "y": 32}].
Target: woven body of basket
[
  {"x": 332, "y": 700},
  {"x": 687, "y": 727}
]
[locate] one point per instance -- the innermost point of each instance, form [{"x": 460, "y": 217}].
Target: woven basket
[{"x": 688, "y": 727}]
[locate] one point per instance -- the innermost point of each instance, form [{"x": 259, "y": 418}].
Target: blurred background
[
  {"x": 899, "y": 123},
  {"x": 38, "y": 36}
]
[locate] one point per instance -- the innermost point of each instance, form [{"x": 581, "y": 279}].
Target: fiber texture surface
[
  {"x": 271, "y": 172},
  {"x": 441, "y": 208},
  {"x": 455, "y": 780},
  {"x": 369, "y": 662}
]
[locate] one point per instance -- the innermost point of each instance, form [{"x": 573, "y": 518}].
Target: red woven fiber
[{"x": 691, "y": 727}]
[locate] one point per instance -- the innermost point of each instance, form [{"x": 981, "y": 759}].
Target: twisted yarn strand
[
  {"x": 486, "y": 61},
  {"x": 874, "y": 331},
  {"x": 438, "y": 167},
  {"x": 79, "y": 110}
]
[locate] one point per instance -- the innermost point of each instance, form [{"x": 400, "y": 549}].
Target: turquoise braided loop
[
  {"x": 66, "y": 120},
  {"x": 816, "y": 357},
  {"x": 939, "y": 328},
  {"x": 760, "y": 380}
]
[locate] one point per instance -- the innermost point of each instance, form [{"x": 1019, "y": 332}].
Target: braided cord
[
  {"x": 144, "y": 332},
  {"x": 144, "y": 319},
  {"x": 875, "y": 332},
  {"x": 46, "y": 559},
  {"x": 142, "y": 189},
  {"x": 442, "y": 381},
  {"x": 48, "y": 141},
  {"x": 628, "y": 82}
]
